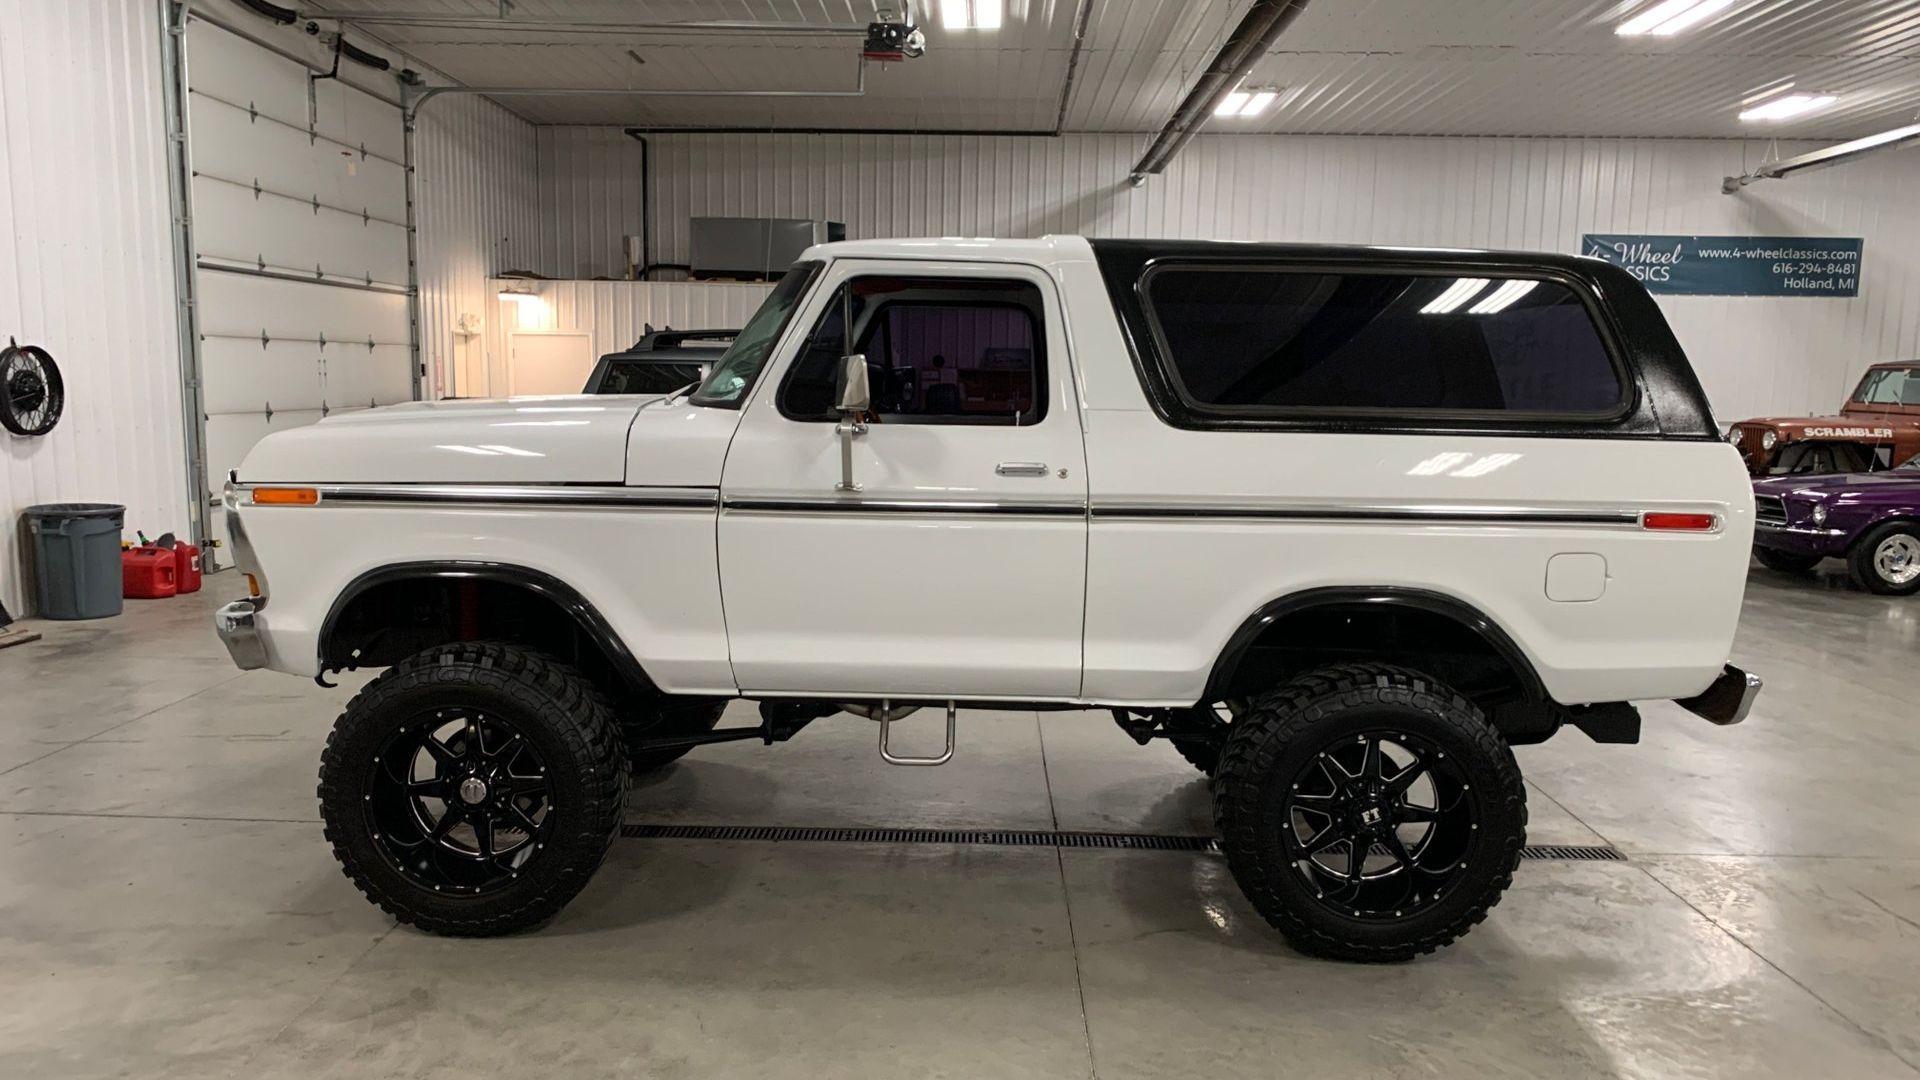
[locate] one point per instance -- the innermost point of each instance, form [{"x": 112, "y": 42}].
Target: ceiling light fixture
[
  {"x": 1669, "y": 17},
  {"x": 1456, "y": 294},
  {"x": 971, "y": 14},
  {"x": 1247, "y": 102},
  {"x": 1788, "y": 107},
  {"x": 1502, "y": 298}
]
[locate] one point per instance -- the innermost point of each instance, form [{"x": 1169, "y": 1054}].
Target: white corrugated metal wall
[
  {"x": 1754, "y": 355},
  {"x": 477, "y": 211},
  {"x": 86, "y": 263},
  {"x": 616, "y": 312}
]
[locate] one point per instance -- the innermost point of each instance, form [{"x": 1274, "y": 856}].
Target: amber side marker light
[
  {"x": 1678, "y": 522},
  {"x": 274, "y": 496}
]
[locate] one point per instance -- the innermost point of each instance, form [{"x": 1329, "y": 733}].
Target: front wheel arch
[{"x": 394, "y": 611}]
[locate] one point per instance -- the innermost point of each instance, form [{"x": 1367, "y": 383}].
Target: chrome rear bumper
[
  {"x": 1728, "y": 700},
  {"x": 241, "y": 635}
]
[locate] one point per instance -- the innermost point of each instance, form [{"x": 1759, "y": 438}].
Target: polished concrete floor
[{"x": 168, "y": 907}]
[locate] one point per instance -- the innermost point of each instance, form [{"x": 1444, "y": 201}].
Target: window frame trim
[
  {"x": 1039, "y": 372},
  {"x": 1167, "y": 391}
]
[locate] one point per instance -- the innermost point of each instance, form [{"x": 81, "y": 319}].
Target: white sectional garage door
[{"x": 299, "y": 228}]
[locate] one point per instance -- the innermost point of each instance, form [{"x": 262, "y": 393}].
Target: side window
[
  {"x": 939, "y": 351},
  {"x": 1251, "y": 341}
]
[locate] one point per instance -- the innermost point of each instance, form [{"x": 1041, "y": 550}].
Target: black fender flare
[
  {"x": 538, "y": 582},
  {"x": 1425, "y": 600}
]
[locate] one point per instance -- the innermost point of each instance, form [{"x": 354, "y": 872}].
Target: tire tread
[
  {"x": 560, "y": 697},
  {"x": 1260, "y": 735}
]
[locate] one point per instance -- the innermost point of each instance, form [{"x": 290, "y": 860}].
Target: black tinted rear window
[{"x": 1250, "y": 341}]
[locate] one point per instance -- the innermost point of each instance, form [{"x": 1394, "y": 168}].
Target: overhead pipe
[
  {"x": 429, "y": 93},
  {"x": 445, "y": 21},
  {"x": 1821, "y": 159},
  {"x": 1253, "y": 38},
  {"x": 1080, "y": 18}
]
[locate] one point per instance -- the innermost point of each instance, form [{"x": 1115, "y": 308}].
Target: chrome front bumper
[
  {"x": 1728, "y": 700},
  {"x": 241, "y": 635}
]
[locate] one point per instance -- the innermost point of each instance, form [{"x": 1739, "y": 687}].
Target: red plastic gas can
[
  {"x": 148, "y": 573},
  {"x": 186, "y": 567}
]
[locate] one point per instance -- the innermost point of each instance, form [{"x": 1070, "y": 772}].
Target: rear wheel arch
[
  {"x": 394, "y": 611},
  {"x": 1467, "y": 649}
]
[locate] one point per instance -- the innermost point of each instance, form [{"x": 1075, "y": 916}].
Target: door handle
[{"x": 1021, "y": 468}]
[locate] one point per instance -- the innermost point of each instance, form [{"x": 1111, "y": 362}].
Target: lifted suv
[{"x": 1344, "y": 524}]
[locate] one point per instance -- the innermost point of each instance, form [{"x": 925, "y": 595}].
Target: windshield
[
  {"x": 1888, "y": 386},
  {"x": 647, "y": 377},
  {"x": 734, "y": 373}
]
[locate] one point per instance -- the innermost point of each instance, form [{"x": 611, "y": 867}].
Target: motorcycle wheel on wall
[{"x": 31, "y": 391}]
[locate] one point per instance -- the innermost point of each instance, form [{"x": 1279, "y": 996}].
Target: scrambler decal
[{"x": 1847, "y": 433}]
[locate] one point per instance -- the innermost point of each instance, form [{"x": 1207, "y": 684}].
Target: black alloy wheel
[
  {"x": 473, "y": 788},
  {"x": 1368, "y": 811},
  {"x": 1380, "y": 825},
  {"x": 459, "y": 800}
]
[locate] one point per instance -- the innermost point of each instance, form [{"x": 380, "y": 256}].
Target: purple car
[{"x": 1872, "y": 520}]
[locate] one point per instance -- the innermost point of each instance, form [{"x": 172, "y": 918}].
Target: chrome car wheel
[{"x": 1897, "y": 559}]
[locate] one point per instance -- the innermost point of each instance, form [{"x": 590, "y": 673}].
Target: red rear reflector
[{"x": 1678, "y": 522}]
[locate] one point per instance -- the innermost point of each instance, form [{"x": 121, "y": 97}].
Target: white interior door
[
  {"x": 548, "y": 361},
  {"x": 299, "y": 227}
]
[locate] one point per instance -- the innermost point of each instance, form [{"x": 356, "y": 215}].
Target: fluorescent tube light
[
  {"x": 1246, "y": 102},
  {"x": 971, "y": 14},
  {"x": 1502, "y": 298},
  {"x": 1788, "y": 107},
  {"x": 1232, "y": 103},
  {"x": 1669, "y": 17},
  {"x": 1456, "y": 294}
]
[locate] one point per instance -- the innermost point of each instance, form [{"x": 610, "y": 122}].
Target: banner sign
[{"x": 1735, "y": 265}]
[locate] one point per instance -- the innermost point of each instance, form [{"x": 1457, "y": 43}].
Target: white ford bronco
[{"x": 1343, "y": 524}]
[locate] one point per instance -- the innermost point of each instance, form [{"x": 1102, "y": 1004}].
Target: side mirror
[{"x": 852, "y": 395}]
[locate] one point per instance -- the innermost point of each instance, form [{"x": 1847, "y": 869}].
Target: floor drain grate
[
  {"x": 1573, "y": 852},
  {"x": 996, "y": 837},
  {"x": 1007, "y": 838}
]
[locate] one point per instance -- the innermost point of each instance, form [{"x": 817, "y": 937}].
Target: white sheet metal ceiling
[{"x": 1406, "y": 67}]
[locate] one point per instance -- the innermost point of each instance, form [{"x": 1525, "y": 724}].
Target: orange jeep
[{"x": 1877, "y": 428}]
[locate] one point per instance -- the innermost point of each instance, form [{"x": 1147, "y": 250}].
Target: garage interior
[{"x": 232, "y": 217}]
